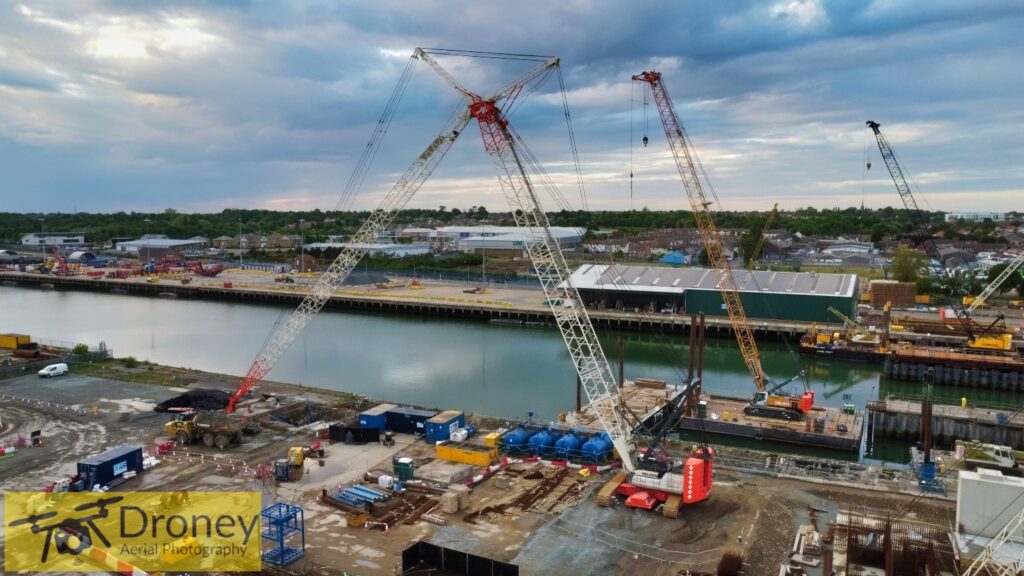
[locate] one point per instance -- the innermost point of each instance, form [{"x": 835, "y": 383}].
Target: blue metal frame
[{"x": 280, "y": 521}]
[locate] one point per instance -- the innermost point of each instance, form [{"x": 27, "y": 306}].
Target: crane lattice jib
[
  {"x": 282, "y": 336},
  {"x": 706, "y": 226},
  {"x": 995, "y": 284},
  {"x": 596, "y": 377},
  {"x": 894, "y": 168},
  {"x": 764, "y": 231},
  {"x": 380, "y": 219}
]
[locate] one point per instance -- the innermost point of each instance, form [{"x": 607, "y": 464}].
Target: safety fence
[{"x": 66, "y": 358}]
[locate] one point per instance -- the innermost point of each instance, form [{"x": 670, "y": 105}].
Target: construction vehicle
[
  {"x": 994, "y": 285},
  {"x": 283, "y": 335},
  {"x": 982, "y": 339},
  {"x": 855, "y": 343},
  {"x": 689, "y": 483},
  {"x": 676, "y": 482},
  {"x": 756, "y": 253},
  {"x": 57, "y": 266},
  {"x": 765, "y": 402},
  {"x": 207, "y": 271},
  {"x": 985, "y": 455},
  {"x": 212, "y": 429}
]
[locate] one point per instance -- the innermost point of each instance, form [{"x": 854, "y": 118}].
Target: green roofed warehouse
[{"x": 802, "y": 296}]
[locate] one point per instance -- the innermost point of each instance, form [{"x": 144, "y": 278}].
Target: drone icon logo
[{"x": 70, "y": 535}]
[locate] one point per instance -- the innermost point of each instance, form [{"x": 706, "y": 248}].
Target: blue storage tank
[
  {"x": 543, "y": 442},
  {"x": 470, "y": 431},
  {"x": 376, "y": 417},
  {"x": 516, "y": 440},
  {"x": 440, "y": 427},
  {"x": 567, "y": 446},
  {"x": 597, "y": 448}
]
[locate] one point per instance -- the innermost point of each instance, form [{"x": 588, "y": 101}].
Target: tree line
[{"x": 318, "y": 224}]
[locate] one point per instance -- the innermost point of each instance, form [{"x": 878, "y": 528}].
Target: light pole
[
  {"x": 149, "y": 253},
  {"x": 302, "y": 246},
  {"x": 241, "y": 252}
]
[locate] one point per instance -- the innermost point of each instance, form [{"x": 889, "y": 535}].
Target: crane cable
[
  {"x": 572, "y": 141},
  {"x": 866, "y": 165},
  {"x": 632, "y": 96},
  {"x": 362, "y": 167}
]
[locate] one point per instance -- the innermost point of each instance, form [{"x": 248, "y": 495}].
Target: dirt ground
[{"x": 564, "y": 531}]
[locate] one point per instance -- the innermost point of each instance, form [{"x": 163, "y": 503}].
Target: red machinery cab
[{"x": 807, "y": 401}]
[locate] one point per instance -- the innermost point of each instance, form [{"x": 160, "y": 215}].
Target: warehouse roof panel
[{"x": 678, "y": 280}]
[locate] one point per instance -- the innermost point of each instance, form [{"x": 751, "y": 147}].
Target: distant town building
[
  {"x": 975, "y": 216},
  {"x": 158, "y": 245},
  {"x": 225, "y": 242},
  {"x": 509, "y": 241},
  {"x": 415, "y": 234},
  {"x": 53, "y": 239},
  {"x": 394, "y": 250}
]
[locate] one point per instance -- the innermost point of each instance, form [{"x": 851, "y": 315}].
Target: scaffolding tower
[{"x": 280, "y": 521}]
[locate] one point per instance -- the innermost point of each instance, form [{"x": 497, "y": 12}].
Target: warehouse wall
[
  {"x": 775, "y": 306},
  {"x": 768, "y": 306}
]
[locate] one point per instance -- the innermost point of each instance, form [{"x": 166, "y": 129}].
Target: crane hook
[
  {"x": 645, "y": 141},
  {"x": 869, "y": 165}
]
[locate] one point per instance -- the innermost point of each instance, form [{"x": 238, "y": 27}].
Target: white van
[{"x": 53, "y": 370}]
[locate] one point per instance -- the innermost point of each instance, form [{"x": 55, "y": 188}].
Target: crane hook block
[
  {"x": 645, "y": 141},
  {"x": 869, "y": 165}
]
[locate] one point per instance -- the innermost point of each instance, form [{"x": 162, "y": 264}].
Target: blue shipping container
[
  {"x": 108, "y": 467},
  {"x": 408, "y": 420},
  {"x": 376, "y": 417},
  {"x": 440, "y": 427}
]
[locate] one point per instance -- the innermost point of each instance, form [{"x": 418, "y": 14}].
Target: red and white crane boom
[
  {"x": 285, "y": 333},
  {"x": 596, "y": 376}
]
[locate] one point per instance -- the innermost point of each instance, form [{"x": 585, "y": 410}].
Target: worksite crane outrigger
[
  {"x": 768, "y": 401},
  {"x": 686, "y": 482}
]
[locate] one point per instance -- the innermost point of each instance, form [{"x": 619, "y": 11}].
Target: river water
[{"x": 480, "y": 367}]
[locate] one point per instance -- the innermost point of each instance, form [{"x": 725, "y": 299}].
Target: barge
[
  {"x": 823, "y": 427},
  {"x": 831, "y": 428},
  {"x": 957, "y": 367}
]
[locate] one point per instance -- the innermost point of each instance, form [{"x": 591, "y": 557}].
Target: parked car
[
  {"x": 10, "y": 257},
  {"x": 53, "y": 370}
]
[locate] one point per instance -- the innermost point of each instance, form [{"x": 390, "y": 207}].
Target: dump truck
[{"x": 212, "y": 429}]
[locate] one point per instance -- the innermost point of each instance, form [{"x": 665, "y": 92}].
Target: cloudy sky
[{"x": 125, "y": 105}]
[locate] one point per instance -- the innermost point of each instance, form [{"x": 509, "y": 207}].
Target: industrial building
[
  {"x": 502, "y": 240},
  {"x": 159, "y": 245},
  {"x": 53, "y": 239},
  {"x": 393, "y": 250},
  {"x": 975, "y": 216},
  {"x": 804, "y": 296}
]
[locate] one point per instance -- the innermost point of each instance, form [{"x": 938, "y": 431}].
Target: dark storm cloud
[{"x": 201, "y": 105}]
